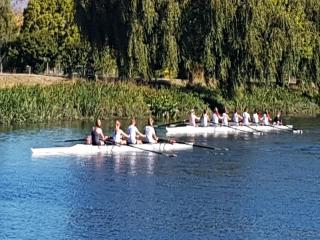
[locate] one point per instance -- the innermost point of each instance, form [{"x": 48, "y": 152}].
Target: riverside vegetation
[
  {"x": 75, "y": 100},
  {"x": 233, "y": 45}
]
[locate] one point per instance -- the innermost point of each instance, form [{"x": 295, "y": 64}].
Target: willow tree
[{"x": 142, "y": 34}]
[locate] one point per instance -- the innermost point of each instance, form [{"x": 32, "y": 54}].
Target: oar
[
  {"x": 195, "y": 145},
  {"x": 142, "y": 149},
  {"x": 256, "y": 130},
  {"x": 241, "y": 130},
  {"x": 293, "y": 130},
  {"x": 75, "y": 140},
  {"x": 153, "y": 151},
  {"x": 168, "y": 124}
]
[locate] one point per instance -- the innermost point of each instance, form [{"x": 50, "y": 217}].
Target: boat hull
[
  {"x": 84, "y": 149},
  {"x": 190, "y": 130}
]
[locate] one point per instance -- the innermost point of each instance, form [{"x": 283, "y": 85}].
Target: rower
[
  {"x": 236, "y": 117},
  {"x": 119, "y": 136},
  {"x": 204, "y": 119},
  {"x": 225, "y": 118},
  {"x": 246, "y": 117},
  {"x": 266, "y": 118},
  {"x": 256, "y": 117},
  {"x": 193, "y": 118},
  {"x": 216, "y": 117},
  {"x": 97, "y": 136},
  {"x": 150, "y": 133},
  {"x": 135, "y": 136},
  {"x": 278, "y": 119}
]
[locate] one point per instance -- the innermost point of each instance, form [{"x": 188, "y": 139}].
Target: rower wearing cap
[{"x": 193, "y": 118}]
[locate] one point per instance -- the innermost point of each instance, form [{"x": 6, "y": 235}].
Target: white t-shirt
[
  {"x": 246, "y": 118},
  {"x": 117, "y": 136},
  {"x": 215, "y": 118},
  {"x": 235, "y": 118},
  {"x": 225, "y": 119},
  {"x": 192, "y": 119},
  {"x": 149, "y": 132},
  {"x": 204, "y": 120},
  {"x": 255, "y": 118},
  {"x": 132, "y": 130},
  {"x": 265, "y": 119}
]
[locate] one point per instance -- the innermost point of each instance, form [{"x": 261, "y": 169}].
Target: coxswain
[
  {"x": 193, "y": 118},
  {"x": 135, "y": 136},
  {"x": 278, "y": 119},
  {"x": 204, "y": 119},
  {"x": 246, "y": 117},
  {"x": 119, "y": 136},
  {"x": 97, "y": 136},
  {"x": 236, "y": 117},
  {"x": 150, "y": 133},
  {"x": 216, "y": 117}
]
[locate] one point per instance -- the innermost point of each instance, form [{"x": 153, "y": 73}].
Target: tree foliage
[
  {"x": 228, "y": 42},
  {"x": 8, "y": 29}
]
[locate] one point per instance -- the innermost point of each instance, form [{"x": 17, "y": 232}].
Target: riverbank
[{"x": 35, "y": 98}]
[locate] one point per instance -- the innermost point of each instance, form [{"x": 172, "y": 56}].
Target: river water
[{"x": 264, "y": 187}]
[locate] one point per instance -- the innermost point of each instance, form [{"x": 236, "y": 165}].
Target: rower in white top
[
  {"x": 119, "y": 136},
  {"x": 193, "y": 118},
  {"x": 135, "y": 136},
  {"x": 236, "y": 117},
  {"x": 246, "y": 117},
  {"x": 216, "y": 117},
  {"x": 266, "y": 118},
  {"x": 255, "y": 117},
  {"x": 150, "y": 133},
  {"x": 204, "y": 119},
  {"x": 225, "y": 118}
]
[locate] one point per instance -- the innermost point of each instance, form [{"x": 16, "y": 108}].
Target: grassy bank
[
  {"x": 74, "y": 100},
  {"x": 88, "y": 100}
]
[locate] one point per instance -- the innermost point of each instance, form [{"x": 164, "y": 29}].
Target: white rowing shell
[{"x": 83, "y": 149}]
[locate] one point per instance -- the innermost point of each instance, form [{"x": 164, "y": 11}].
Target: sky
[{"x": 19, "y": 4}]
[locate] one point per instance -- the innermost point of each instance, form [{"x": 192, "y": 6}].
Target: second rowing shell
[{"x": 190, "y": 130}]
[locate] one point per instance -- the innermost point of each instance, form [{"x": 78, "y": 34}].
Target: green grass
[
  {"x": 88, "y": 100},
  {"x": 84, "y": 100}
]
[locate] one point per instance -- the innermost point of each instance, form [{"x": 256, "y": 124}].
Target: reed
[
  {"x": 275, "y": 99},
  {"x": 83, "y": 100}
]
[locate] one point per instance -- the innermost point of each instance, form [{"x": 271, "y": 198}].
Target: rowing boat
[
  {"x": 191, "y": 130},
  {"x": 85, "y": 149}
]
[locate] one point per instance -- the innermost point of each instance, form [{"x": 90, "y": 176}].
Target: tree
[
  {"x": 8, "y": 29},
  {"x": 49, "y": 34}
]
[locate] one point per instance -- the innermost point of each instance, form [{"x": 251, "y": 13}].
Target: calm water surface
[{"x": 264, "y": 187}]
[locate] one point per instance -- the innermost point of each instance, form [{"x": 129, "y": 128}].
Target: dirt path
[{"x": 10, "y": 80}]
